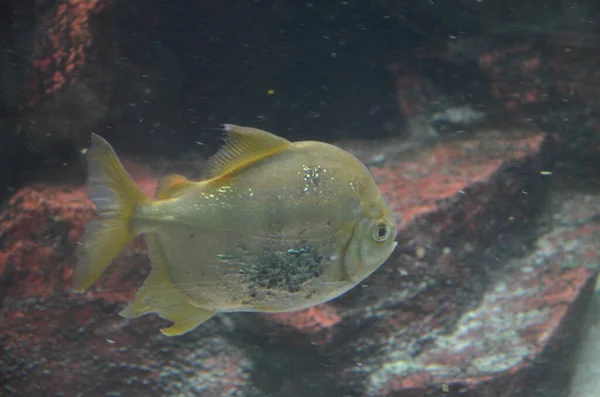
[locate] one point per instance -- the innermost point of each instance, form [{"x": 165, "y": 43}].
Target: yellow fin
[
  {"x": 172, "y": 186},
  {"x": 159, "y": 295},
  {"x": 244, "y": 146},
  {"x": 115, "y": 195}
]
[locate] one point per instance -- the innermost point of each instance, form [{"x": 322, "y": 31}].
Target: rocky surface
[
  {"x": 573, "y": 224},
  {"x": 586, "y": 378},
  {"x": 476, "y": 300}
]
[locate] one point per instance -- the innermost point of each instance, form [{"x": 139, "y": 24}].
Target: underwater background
[{"x": 479, "y": 120}]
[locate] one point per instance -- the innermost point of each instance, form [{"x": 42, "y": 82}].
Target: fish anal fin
[
  {"x": 172, "y": 186},
  {"x": 159, "y": 295},
  {"x": 244, "y": 146},
  {"x": 186, "y": 320}
]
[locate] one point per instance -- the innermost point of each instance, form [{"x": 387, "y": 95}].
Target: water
[{"x": 477, "y": 119}]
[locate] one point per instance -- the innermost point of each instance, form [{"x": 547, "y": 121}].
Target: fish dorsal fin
[
  {"x": 244, "y": 146},
  {"x": 172, "y": 186}
]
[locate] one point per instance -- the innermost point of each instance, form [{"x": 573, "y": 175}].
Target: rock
[
  {"x": 62, "y": 38},
  {"x": 498, "y": 346},
  {"x": 547, "y": 80},
  {"x": 570, "y": 232},
  {"x": 586, "y": 377},
  {"x": 451, "y": 312}
]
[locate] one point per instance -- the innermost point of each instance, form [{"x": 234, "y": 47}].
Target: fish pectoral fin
[
  {"x": 159, "y": 295},
  {"x": 336, "y": 287},
  {"x": 243, "y": 147},
  {"x": 336, "y": 284},
  {"x": 172, "y": 186}
]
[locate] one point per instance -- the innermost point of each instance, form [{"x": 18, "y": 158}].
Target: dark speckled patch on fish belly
[
  {"x": 283, "y": 270},
  {"x": 276, "y": 277}
]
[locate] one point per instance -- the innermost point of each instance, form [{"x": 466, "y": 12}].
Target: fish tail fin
[{"x": 116, "y": 196}]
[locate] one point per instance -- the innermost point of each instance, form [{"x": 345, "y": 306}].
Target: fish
[{"x": 273, "y": 226}]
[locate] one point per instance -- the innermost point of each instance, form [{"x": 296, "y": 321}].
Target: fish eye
[{"x": 382, "y": 232}]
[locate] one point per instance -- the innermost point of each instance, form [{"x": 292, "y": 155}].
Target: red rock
[
  {"x": 415, "y": 187},
  {"x": 36, "y": 228},
  {"x": 62, "y": 39},
  {"x": 495, "y": 346},
  {"x": 412, "y": 92},
  {"x": 557, "y": 71},
  {"x": 317, "y": 322},
  {"x": 39, "y": 229}
]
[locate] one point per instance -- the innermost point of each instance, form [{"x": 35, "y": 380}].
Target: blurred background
[{"x": 154, "y": 77}]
